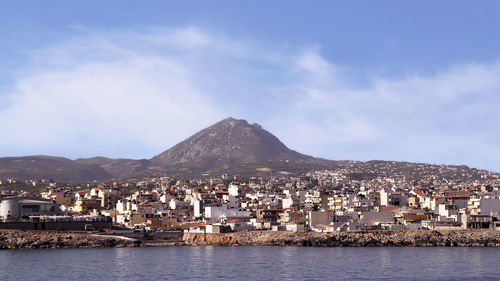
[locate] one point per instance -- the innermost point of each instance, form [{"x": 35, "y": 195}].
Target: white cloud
[
  {"x": 134, "y": 93},
  {"x": 126, "y": 103},
  {"x": 449, "y": 117}
]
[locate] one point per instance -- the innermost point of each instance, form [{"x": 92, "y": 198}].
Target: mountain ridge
[
  {"x": 231, "y": 146},
  {"x": 232, "y": 139}
]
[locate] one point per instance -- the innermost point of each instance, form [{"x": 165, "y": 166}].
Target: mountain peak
[
  {"x": 233, "y": 122},
  {"x": 229, "y": 119},
  {"x": 228, "y": 142}
]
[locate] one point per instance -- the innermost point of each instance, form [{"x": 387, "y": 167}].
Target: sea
[{"x": 251, "y": 263}]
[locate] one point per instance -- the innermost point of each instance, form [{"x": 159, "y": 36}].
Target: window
[
  {"x": 47, "y": 208},
  {"x": 30, "y": 208}
]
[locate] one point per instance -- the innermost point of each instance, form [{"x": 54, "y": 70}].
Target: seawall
[
  {"x": 19, "y": 239},
  {"x": 455, "y": 238}
]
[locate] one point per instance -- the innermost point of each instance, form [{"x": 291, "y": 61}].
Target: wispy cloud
[
  {"x": 134, "y": 93},
  {"x": 448, "y": 117}
]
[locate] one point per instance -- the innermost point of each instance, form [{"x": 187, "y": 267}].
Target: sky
[{"x": 359, "y": 80}]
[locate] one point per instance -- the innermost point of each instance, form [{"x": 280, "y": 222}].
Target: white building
[
  {"x": 215, "y": 214},
  {"x": 233, "y": 190},
  {"x": 16, "y": 209},
  {"x": 384, "y": 197}
]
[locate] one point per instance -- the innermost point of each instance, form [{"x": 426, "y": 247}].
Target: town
[{"x": 370, "y": 196}]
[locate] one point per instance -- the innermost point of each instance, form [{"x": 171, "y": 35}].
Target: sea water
[{"x": 251, "y": 263}]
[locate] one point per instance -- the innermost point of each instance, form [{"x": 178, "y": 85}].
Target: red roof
[
  {"x": 452, "y": 196},
  {"x": 199, "y": 225},
  {"x": 418, "y": 192},
  {"x": 221, "y": 192}
]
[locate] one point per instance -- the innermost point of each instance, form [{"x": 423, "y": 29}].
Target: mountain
[
  {"x": 227, "y": 146},
  {"x": 118, "y": 168},
  {"x": 230, "y": 146},
  {"x": 229, "y": 141},
  {"x": 57, "y": 168},
  {"x": 235, "y": 147}
]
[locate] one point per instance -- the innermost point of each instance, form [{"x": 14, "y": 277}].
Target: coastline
[
  {"x": 29, "y": 239},
  {"x": 18, "y": 239},
  {"x": 430, "y": 238}
]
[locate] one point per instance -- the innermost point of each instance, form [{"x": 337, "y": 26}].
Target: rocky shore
[
  {"x": 450, "y": 238},
  {"x": 18, "y": 239}
]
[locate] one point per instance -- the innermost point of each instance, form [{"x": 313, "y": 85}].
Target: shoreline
[
  {"x": 427, "y": 238},
  {"x": 32, "y": 239},
  {"x": 22, "y": 239}
]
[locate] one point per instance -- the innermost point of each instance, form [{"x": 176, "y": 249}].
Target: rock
[
  {"x": 15, "y": 239},
  {"x": 344, "y": 239}
]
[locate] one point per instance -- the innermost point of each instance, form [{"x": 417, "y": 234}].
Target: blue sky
[{"x": 363, "y": 80}]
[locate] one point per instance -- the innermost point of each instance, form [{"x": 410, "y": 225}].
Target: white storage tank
[{"x": 9, "y": 209}]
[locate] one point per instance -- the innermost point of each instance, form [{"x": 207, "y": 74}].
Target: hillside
[
  {"x": 57, "y": 168},
  {"x": 229, "y": 146}
]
